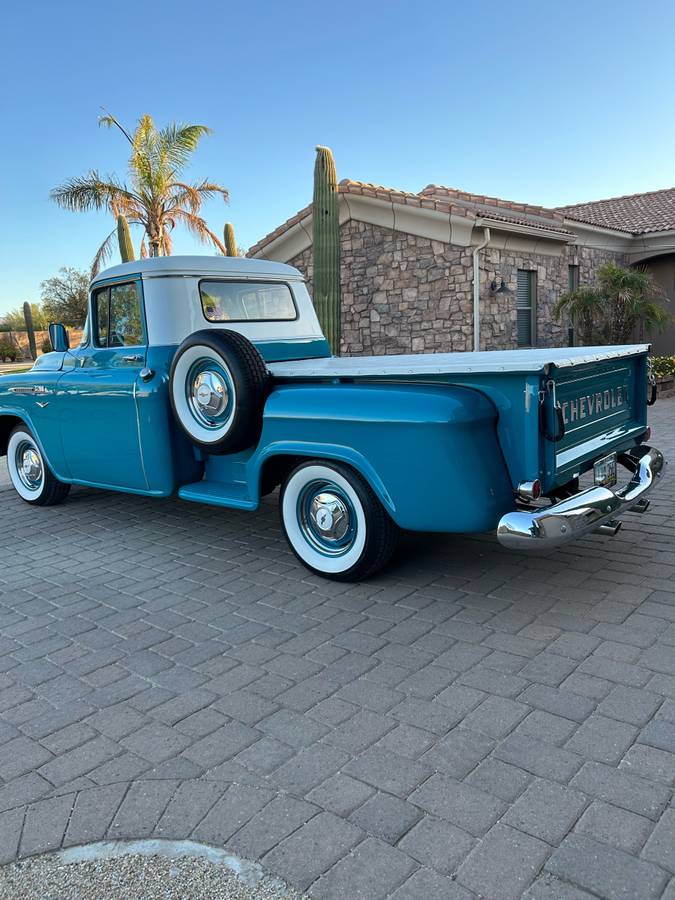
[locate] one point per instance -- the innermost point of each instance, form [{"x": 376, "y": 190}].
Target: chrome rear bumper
[{"x": 589, "y": 510}]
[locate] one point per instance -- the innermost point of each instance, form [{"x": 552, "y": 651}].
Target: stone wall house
[{"x": 407, "y": 267}]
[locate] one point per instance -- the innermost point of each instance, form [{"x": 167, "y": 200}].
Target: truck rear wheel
[
  {"x": 29, "y": 473},
  {"x": 218, "y": 387},
  {"x": 335, "y": 523}
]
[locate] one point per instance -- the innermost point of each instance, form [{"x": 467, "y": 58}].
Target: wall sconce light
[{"x": 499, "y": 287}]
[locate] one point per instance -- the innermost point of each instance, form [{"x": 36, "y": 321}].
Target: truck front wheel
[
  {"x": 29, "y": 473},
  {"x": 335, "y": 523}
]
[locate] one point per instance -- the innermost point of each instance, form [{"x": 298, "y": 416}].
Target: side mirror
[{"x": 58, "y": 337}]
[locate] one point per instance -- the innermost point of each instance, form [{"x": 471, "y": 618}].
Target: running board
[{"x": 218, "y": 493}]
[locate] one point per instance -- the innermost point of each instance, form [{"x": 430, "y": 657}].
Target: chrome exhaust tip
[{"x": 610, "y": 528}]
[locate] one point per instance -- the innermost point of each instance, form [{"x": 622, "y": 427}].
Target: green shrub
[
  {"x": 46, "y": 346},
  {"x": 663, "y": 366},
  {"x": 8, "y": 351}
]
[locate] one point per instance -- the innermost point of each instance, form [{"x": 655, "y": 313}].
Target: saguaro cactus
[
  {"x": 124, "y": 240},
  {"x": 28, "y": 316},
  {"x": 327, "y": 294},
  {"x": 230, "y": 243}
]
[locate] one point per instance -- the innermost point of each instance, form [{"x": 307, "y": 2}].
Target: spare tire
[{"x": 218, "y": 386}]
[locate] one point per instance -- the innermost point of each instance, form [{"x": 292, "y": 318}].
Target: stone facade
[{"x": 407, "y": 294}]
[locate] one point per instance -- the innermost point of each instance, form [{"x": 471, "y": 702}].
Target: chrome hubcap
[
  {"x": 327, "y": 518},
  {"x": 330, "y": 516},
  {"x": 29, "y": 466},
  {"x": 209, "y": 395}
]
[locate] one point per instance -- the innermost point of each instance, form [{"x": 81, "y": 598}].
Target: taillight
[{"x": 530, "y": 490}]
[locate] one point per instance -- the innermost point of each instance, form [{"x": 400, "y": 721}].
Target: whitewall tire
[
  {"x": 218, "y": 386},
  {"x": 203, "y": 394},
  {"x": 334, "y": 522},
  {"x": 29, "y": 472}
]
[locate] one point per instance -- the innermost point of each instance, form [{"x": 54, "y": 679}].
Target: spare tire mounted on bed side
[{"x": 218, "y": 387}]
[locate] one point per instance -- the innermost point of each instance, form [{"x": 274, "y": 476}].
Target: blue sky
[{"x": 534, "y": 101}]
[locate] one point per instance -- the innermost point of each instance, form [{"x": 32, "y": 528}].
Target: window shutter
[{"x": 524, "y": 309}]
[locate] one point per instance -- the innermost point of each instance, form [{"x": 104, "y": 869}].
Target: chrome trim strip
[
  {"x": 595, "y": 443},
  {"x": 563, "y": 384},
  {"x": 201, "y": 273},
  {"x": 555, "y": 525},
  {"x": 597, "y": 421},
  {"x": 30, "y": 389},
  {"x": 138, "y": 434}
]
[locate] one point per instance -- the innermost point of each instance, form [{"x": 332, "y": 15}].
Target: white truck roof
[{"x": 218, "y": 266}]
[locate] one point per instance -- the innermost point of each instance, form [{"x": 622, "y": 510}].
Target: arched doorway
[{"x": 663, "y": 269}]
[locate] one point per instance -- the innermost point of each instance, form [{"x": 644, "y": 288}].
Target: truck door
[{"x": 97, "y": 397}]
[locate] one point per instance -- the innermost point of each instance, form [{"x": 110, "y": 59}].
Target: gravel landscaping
[{"x": 138, "y": 875}]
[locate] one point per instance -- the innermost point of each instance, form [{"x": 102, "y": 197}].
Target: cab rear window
[{"x": 247, "y": 301}]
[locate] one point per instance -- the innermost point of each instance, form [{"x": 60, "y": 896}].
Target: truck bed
[
  {"x": 488, "y": 361},
  {"x": 601, "y": 392}
]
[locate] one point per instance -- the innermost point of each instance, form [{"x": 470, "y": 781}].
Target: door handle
[{"x": 136, "y": 358}]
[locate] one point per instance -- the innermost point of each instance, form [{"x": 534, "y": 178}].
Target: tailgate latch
[
  {"x": 651, "y": 378},
  {"x": 558, "y": 433}
]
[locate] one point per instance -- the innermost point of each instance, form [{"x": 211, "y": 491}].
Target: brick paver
[{"x": 473, "y": 723}]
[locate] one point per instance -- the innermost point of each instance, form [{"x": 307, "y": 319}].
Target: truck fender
[
  {"x": 429, "y": 451},
  {"x": 9, "y": 419},
  {"x": 312, "y": 450}
]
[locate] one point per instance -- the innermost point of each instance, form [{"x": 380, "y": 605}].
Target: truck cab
[{"x": 210, "y": 378}]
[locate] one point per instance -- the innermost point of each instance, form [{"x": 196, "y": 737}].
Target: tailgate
[{"x": 604, "y": 408}]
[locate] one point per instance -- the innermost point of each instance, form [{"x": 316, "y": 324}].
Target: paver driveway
[{"x": 473, "y": 723}]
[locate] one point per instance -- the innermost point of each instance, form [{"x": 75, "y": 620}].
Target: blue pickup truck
[{"x": 210, "y": 378}]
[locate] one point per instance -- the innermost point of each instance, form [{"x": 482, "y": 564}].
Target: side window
[
  {"x": 84, "y": 340},
  {"x": 102, "y": 302},
  {"x": 126, "y": 328},
  {"x": 119, "y": 321}
]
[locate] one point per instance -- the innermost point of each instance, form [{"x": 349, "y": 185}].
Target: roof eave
[
  {"x": 539, "y": 231},
  {"x": 600, "y": 229},
  {"x": 449, "y": 226}
]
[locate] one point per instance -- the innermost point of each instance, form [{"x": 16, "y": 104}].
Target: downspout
[{"x": 476, "y": 287}]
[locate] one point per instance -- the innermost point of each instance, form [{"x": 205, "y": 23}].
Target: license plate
[{"x": 604, "y": 471}]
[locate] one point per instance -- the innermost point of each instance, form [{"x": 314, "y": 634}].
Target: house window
[
  {"x": 525, "y": 308},
  {"x": 572, "y": 278}
]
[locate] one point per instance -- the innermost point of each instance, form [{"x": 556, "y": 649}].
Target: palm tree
[
  {"x": 155, "y": 198},
  {"x": 584, "y": 308},
  {"x": 635, "y": 302},
  {"x": 623, "y": 302}
]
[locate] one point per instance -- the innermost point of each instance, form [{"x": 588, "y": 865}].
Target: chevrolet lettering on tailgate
[{"x": 594, "y": 404}]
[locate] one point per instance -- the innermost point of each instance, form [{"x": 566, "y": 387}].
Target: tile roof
[
  {"x": 407, "y": 198},
  {"x": 500, "y": 210},
  {"x": 281, "y": 229},
  {"x": 365, "y": 189},
  {"x": 633, "y": 213},
  {"x": 440, "y": 199}
]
